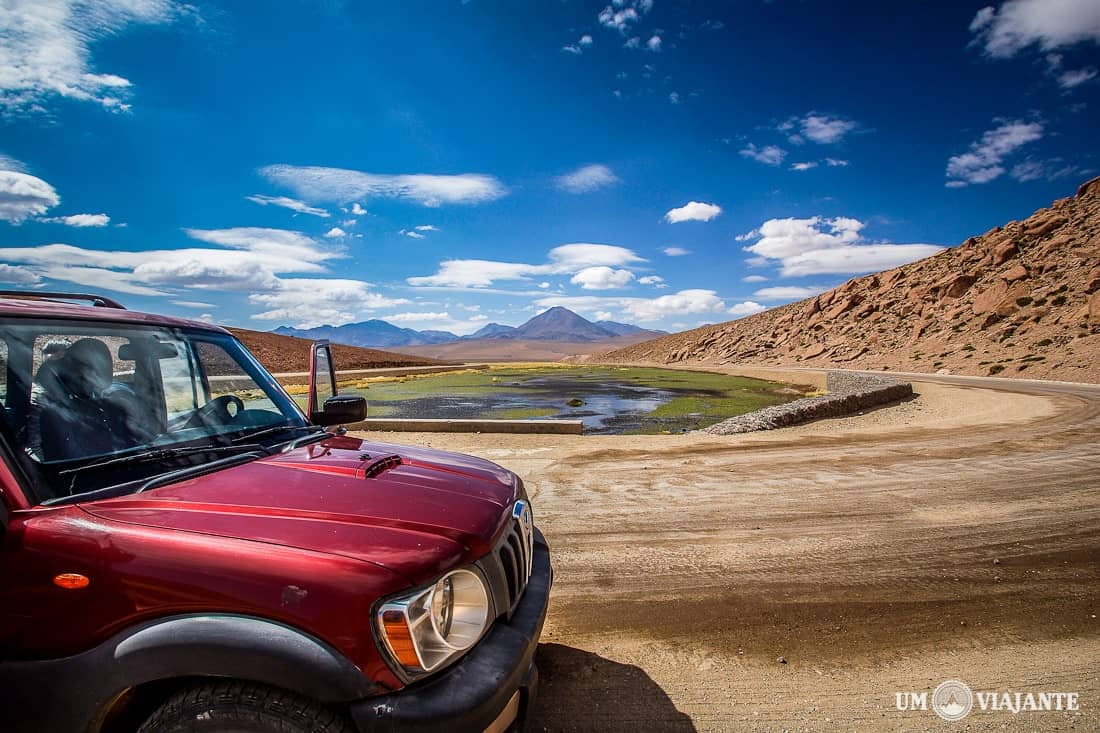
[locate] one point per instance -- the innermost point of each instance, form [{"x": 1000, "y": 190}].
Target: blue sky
[{"x": 446, "y": 164}]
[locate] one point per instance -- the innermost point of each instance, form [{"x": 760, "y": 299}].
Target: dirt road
[{"x": 798, "y": 579}]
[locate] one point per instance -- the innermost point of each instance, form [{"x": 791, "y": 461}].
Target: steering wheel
[{"x": 221, "y": 410}]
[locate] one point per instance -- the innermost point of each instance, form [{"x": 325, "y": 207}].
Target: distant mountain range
[{"x": 555, "y": 324}]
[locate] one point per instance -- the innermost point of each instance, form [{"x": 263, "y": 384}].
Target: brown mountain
[
  {"x": 1020, "y": 300},
  {"x": 280, "y": 353}
]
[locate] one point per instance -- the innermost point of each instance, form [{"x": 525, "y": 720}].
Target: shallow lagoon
[{"x": 607, "y": 399}]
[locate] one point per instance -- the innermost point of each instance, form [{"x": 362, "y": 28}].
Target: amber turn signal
[
  {"x": 399, "y": 638},
  {"x": 71, "y": 581}
]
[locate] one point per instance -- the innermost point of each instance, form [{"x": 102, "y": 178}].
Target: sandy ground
[{"x": 956, "y": 536}]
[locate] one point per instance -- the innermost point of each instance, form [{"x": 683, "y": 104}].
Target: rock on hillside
[{"x": 1020, "y": 300}]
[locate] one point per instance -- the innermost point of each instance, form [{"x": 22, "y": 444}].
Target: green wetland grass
[{"x": 635, "y": 400}]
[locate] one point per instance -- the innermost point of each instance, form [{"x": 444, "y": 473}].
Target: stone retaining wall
[{"x": 849, "y": 392}]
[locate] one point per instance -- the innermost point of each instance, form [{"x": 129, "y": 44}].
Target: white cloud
[
  {"x": 45, "y": 49},
  {"x": 80, "y": 220},
  {"x": 818, "y": 246},
  {"x": 1050, "y": 170},
  {"x": 835, "y": 162},
  {"x": 676, "y": 251},
  {"x": 358, "y": 210},
  {"x": 603, "y": 315},
  {"x": 602, "y": 278},
  {"x": 201, "y": 305},
  {"x": 246, "y": 259},
  {"x": 754, "y": 279},
  {"x": 781, "y": 238},
  {"x": 335, "y": 233},
  {"x": 825, "y": 130},
  {"x": 412, "y": 233},
  {"x": 477, "y": 273},
  {"x": 983, "y": 162},
  {"x": 300, "y": 207},
  {"x": 417, "y": 317},
  {"x": 673, "y": 97},
  {"x": 544, "y": 285},
  {"x": 587, "y": 178},
  {"x": 1075, "y": 77},
  {"x": 622, "y": 13},
  {"x": 578, "y": 47},
  {"x": 633, "y": 42},
  {"x": 309, "y": 302},
  {"x": 1049, "y": 23},
  {"x": 768, "y": 155},
  {"x": 803, "y": 166},
  {"x": 685, "y": 302},
  {"x": 565, "y": 259},
  {"x": 427, "y": 228},
  {"x": 651, "y": 280},
  {"x": 316, "y": 183},
  {"x": 654, "y": 43},
  {"x": 8, "y": 163},
  {"x": 23, "y": 196},
  {"x": 251, "y": 259},
  {"x": 18, "y": 275},
  {"x": 788, "y": 292},
  {"x": 747, "y": 308},
  {"x": 574, "y": 257},
  {"x": 853, "y": 260},
  {"x": 693, "y": 211}
]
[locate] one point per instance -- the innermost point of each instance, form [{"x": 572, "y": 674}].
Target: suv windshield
[{"x": 89, "y": 406}]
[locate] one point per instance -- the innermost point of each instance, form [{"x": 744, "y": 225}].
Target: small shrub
[
  {"x": 1044, "y": 342},
  {"x": 996, "y": 369}
]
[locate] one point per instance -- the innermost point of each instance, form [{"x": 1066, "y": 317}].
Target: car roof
[{"x": 40, "y": 308}]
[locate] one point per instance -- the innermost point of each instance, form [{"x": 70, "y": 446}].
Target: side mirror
[
  {"x": 341, "y": 409},
  {"x": 326, "y": 407}
]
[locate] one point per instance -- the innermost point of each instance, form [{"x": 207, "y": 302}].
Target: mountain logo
[{"x": 952, "y": 700}]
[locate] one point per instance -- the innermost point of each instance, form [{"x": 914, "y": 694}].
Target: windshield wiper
[
  {"x": 160, "y": 454},
  {"x": 313, "y": 430}
]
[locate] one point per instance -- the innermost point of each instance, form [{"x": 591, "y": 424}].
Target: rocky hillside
[
  {"x": 1020, "y": 300},
  {"x": 279, "y": 353}
]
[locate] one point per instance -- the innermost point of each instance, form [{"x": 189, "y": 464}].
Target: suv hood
[{"x": 417, "y": 512}]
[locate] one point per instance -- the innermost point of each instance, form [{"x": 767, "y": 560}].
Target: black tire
[{"x": 242, "y": 707}]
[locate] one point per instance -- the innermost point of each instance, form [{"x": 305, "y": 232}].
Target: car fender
[{"x": 70, "y": 693}]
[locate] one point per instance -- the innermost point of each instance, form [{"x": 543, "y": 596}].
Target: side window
[{"x": 226, "y": 376}]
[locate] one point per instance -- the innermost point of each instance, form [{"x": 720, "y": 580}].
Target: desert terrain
[
  {"x": 795, "y": 580},
  {"x": 515, "y": 350}
]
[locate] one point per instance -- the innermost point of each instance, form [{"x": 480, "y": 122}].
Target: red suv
[{"x": 183, "y": 549}]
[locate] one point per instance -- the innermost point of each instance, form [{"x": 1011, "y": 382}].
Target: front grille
[{"x": 515, "y": 552}]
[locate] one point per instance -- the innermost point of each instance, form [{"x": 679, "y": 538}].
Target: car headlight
[{"x": 428, "y": 627}]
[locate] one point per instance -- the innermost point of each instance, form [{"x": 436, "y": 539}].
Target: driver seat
[{"x": 68, "y": 419}]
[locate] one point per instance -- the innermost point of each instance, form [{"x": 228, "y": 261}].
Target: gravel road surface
[{"x": 796, "y": 580}]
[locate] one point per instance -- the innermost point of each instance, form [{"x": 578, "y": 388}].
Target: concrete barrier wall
[
  {"x": 443, "y": 425},
  {"x": 849, "y": 392}
]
